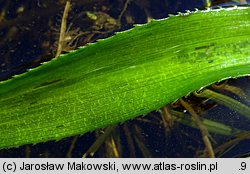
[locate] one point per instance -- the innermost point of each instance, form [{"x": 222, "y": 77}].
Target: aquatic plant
[{"x": 124, "y": 76}]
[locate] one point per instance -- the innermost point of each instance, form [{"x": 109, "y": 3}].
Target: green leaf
[{"x": 124, "y": 76}]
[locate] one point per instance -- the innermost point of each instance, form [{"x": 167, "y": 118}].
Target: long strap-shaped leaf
[{"x": 127, "y": 75}]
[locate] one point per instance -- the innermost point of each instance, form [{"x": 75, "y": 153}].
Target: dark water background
[{"x": 28, "y": 34}]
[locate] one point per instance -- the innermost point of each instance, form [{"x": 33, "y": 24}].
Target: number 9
[{"x": 243, "y": 165}]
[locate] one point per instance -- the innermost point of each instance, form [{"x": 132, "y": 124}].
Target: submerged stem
[
  {"x": 226, "y": 101},
  {"x": 203, "y": 129}
]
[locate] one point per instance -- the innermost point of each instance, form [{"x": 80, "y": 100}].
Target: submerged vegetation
[{"x": 220, "y": 130}]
